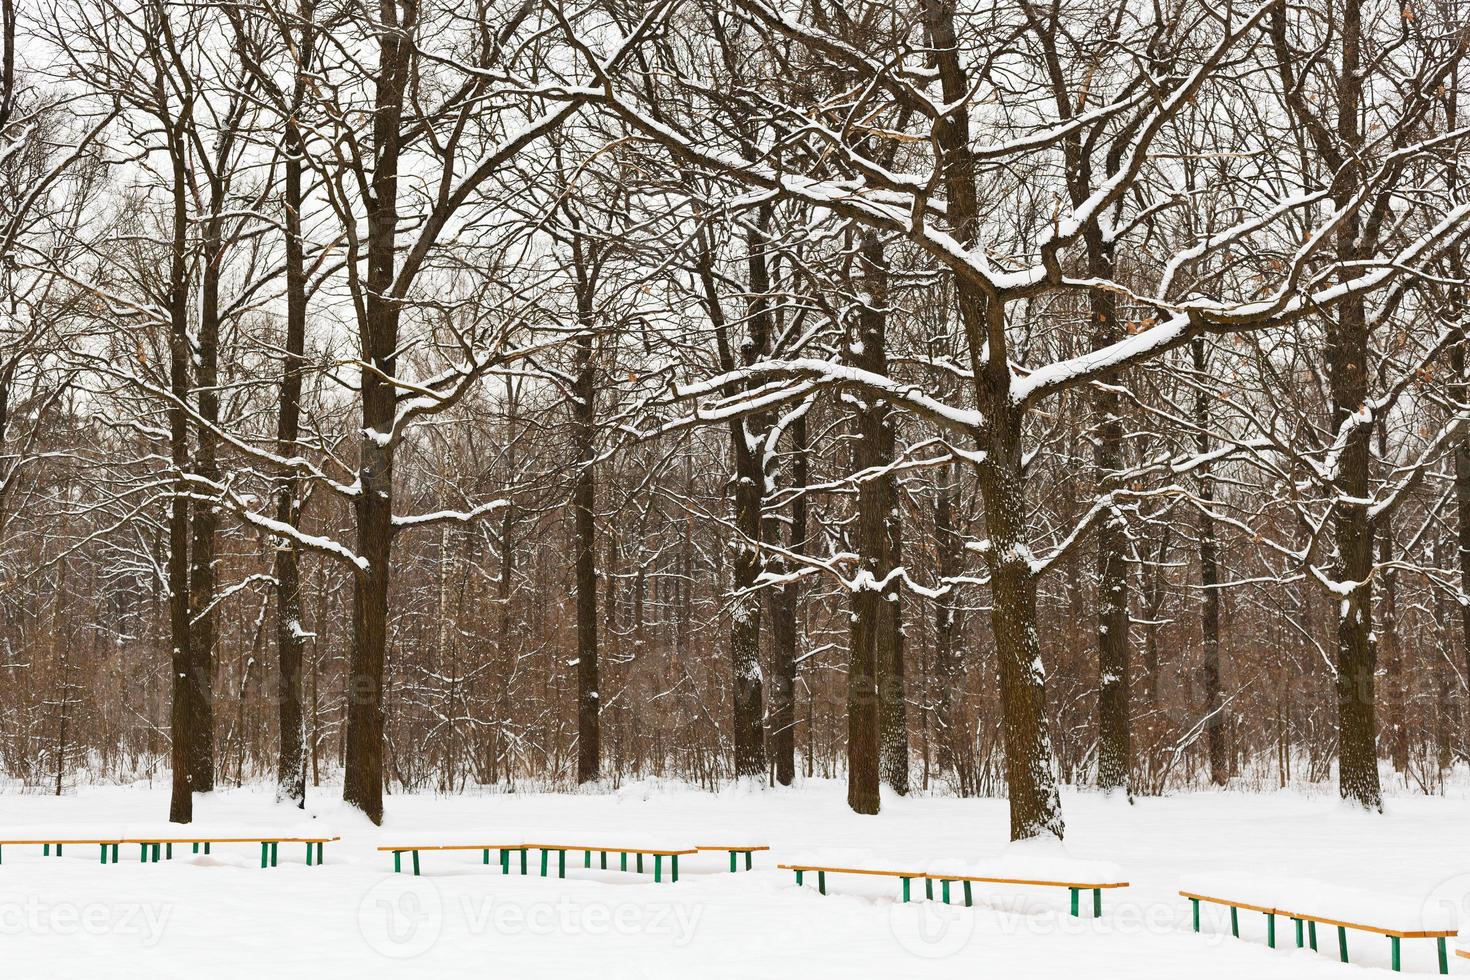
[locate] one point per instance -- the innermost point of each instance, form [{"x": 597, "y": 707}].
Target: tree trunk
[
  {"x": 182, "y": 715},
  {"x": 947, "y": 546},
  {"x": 1209, "y": 574},
  {"x": 584, "y": 501},
  {"x": 290, "y": 633},
  {"x": 785, "y": 639}
]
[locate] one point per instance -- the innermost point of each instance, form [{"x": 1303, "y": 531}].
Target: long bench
[
  {"x": 269, "y": 847},
  {"x": 560, "y": 850},
  {"x": 104, "y": 843},
  {"x": 1311, "y": 921},
  {"x": 929, "y": 878}
]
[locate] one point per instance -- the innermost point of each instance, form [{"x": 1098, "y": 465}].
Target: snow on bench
[
  {"x": 1308, "y": 903},
  {"x": 1028, "y": 863},
  {"x": 49, "y": 836},
  {"x": 157, "y": 840},
  {"x": 623, "y": 845}
]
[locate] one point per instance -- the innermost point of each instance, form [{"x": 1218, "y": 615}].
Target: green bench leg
[
  {"x": 1394, "y": 944},
  {"x": 1342, "y": 943},
  {"x": 523, "y": 860},
  {"x": 143, "y": 853},
  {"x": 822, "y": 882},
  {"x": 674, "y": 876},
  {"x": 319, "y": 846},
  {"x": 1298, "y": 924},
  {"x": 114, "y": 853},
  {"x": 544, "y": 857},
  {"x": 309, "y": 853},
  {"x": 1097, "y": 903},
  {"x": 623, "y": 861},
  {"x": 604, "y": 860},
  {"x": 155, "y": 853},
  {"x": 486, "y": 858},
  {"x": 1271, "y": 929},
  {"x": 1444, "y": 960},
  {"x": 46, "y": 850},
  {"x": 1234, "y": 922},
  {"x": 504, "y": 861},
  {"x": 1076, "y": 892},
  {"x": 415, "y": 862},
  {"x": 1312, "y": 935},
  {"x": 169, "y": 850},
  {"x": 799, "y": 877},
  {"x": 265, "y": 854},
  {"x": 658, "y": 867},
  {"x": 929, "y": 888},
  {"x": 104, "y": 853},
  {"x": 206, "y": 849},
  {"x": 905, "y": 888},
  {"x": 276, "y": 855},
  {"x": 748, "y": 860},
  {"x": 398, "y": 862},
  {"x": 944, "y": 890},
  {"x": 561, "y": 864},
  {"x": 732, "y": 862},
  {"x": 586, "y": 859},
  {"x": 968, "y": 901},
  {"x": 640, "y": 864},
  {"x": 196, "y": 847}
]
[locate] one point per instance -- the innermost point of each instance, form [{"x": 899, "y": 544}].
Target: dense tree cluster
[{"x": 958, "y": 394}]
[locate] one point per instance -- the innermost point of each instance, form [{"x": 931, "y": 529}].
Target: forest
[{"x": 958, "y": 397}]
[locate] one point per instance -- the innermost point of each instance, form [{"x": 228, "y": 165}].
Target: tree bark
[{"x": 1209, "y": 574}]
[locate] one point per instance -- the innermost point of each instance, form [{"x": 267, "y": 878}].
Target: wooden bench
[
  {"x": 269, "y": 847},
  {"x": 746, "y": 849},
  {"x": 47, "y": 843},
  {"x": 547, "y": 850},
  {"x": 1298, "y": 918},
  {"x": 929, "y": 878}
]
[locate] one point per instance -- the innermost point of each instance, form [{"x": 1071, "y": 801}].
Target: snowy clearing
[{"x": 222, "y": 915}]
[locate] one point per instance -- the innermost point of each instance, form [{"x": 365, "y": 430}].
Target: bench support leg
[
  {"x": 114, "y": 852},
  {"x": 309, "y": 853},
  {"x": 658, "y": 867},
  {"x": 543, "y": 862},
  {"x": 561, "y": 864},
  {"x": 1271, "y": 929},
  {"x": 486, "y": 858},
  {"x": 504, "y": 861},
  {"x": 623, "y": 861},
  {"x": 944, "y": 890},
  {"x": 905, "y": 888},
  {"x": 1312, "y": 935},
  {"x": 1097, "y": 903},
  {"x": 523, "y": 860},
  {"x": 1298, "y": 924},
  {"x": 1393, "y": 945},
  {"x": 1193, "y": 904},
  {"x": 196, "y": 847},
  {"x": 747, "y": 860},
  {"x": 604, "y": 860},
  {"x": 929, "y": 889},
  {"x": 968, "y": 901},
  {"x": 104, "y": 853},
  {"x": 1444, "y": 960},
  {"x": 1076, "y": 892},
  {"x": 46, "y": 850},
  {"x": 1342, "y": 943},
  {"x": 276, "y": 854},
  {"x": 732, "y": 862},
  {"x": 415, "y": 862},
  {"x": 397, "y": 862},
  {"x": 676, "y": 868},
  {"x": 639, "y": 864},
  {"x": 319, "y": 846},
  {"x": 822, "y": 882},
  {"x": 799, "y": 876},
  {"x": 1235, "y": 922}
]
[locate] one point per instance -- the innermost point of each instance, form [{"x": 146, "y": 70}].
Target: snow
[
  {"x": 221, "y": 915},
  {"x": 1329, "y": 900}
]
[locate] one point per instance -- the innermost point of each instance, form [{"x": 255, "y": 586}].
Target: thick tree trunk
[
  {"x": 745, "y": 612},
  {"x": 584, "y": 500},
  {"x": 182, "y": 715},
  {"x": 785, "y": 638},
  {"x": 947, "y": 546},
  {"x": 1209, "y": 574},
  {"x": 290, "y": 633},
  {"x": 1114, "y": 721},
  {"x": 362, "y": 784}
]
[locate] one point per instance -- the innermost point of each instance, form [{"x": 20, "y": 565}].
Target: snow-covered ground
[{"x": 222, "y": 916}]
